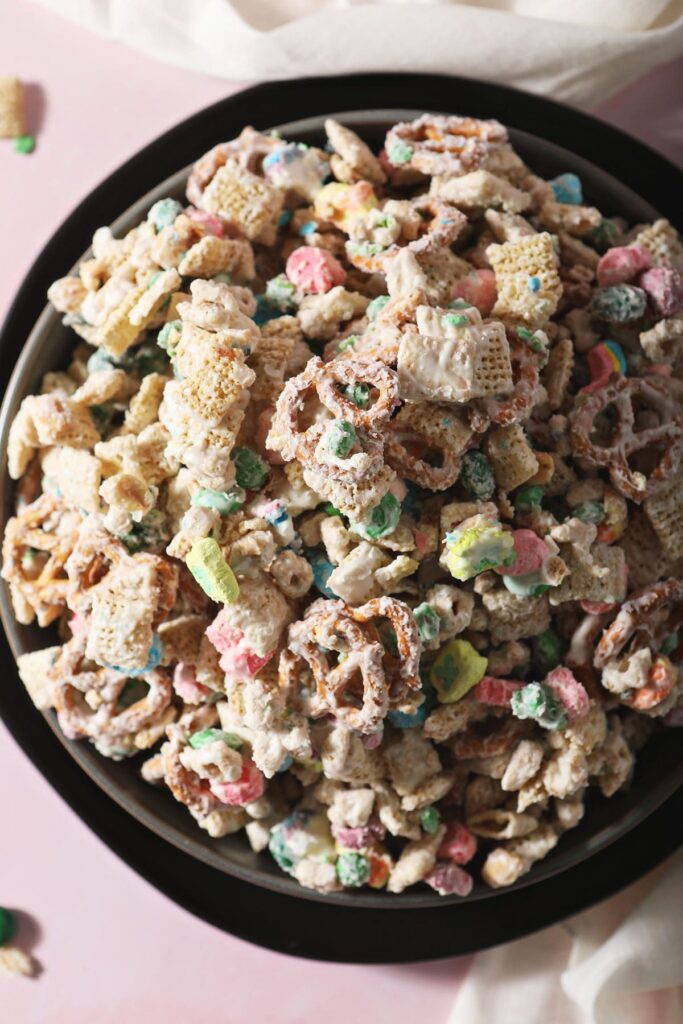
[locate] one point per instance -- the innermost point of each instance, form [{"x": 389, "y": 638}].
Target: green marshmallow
[
  {"x": 205, "y": 736},
  {"x": 340, "y": 438},
  {"x": 24, "y": 143},
  {"x": 476, "y": 476},
  {"x": 428, "y": 622},
  {"x": 353, "y": 870},
  {"x": 359, "y": 394},
  {"x": 430, "y": 820},
  {"x": 590, "y": 512},
  {"x": 7, "y": 925},
  {"x": 383, "y": 519},
  {"x": 225, "y": 502},
  {"x": 537, "y": 701},
  {"x": 251, "y": 471}
]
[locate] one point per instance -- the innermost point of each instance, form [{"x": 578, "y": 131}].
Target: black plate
[{"x": 490, "y": 922}]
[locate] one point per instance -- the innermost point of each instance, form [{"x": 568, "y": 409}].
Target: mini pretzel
[
  {"x": 37, "y": 528},
  {"x": 640, "y": 614},
  {"x": 249, "y": 149},
  {"x": 516, "y": 406},
  {"x": 185, "y": 785},
  {"x": 403, "y": 672},
  {"x": 624, "y": 442},
  {"x": 327, "y": 629},
  {"x": 332, "y": 626},
  {"x": 346, "y": 373},
  {"x": 324, "y": 380},
  {"x": 445, "y": 145},
  {"x": 78, "y": 720},
  {"x": 441, "y": 225}
]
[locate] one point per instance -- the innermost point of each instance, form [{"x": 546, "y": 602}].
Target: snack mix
[{"x": 359, "y": 509}]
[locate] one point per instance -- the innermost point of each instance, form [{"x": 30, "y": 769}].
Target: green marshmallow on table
[
  {"x": 213, "y": 574},
  {"x": 7, "y": 925}
]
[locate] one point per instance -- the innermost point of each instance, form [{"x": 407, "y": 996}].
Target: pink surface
[{"x": 111, "y": 947}]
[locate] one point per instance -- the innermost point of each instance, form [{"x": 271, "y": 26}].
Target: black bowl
[{"x": 659, "y": 769}]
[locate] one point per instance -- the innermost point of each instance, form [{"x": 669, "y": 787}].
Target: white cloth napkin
[
  {"x": 621, "y": 962},
  {"x": 575, "y": 50},
  {"x": 618, "y": 963}
]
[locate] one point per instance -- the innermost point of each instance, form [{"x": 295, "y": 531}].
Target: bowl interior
[{"x": 659, "y": 770}]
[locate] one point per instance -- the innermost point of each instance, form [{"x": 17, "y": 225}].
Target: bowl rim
[{"x": 280, "y": 883}]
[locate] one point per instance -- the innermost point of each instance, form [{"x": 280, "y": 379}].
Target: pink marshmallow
[
  {"x": 450, "y": 880},
  {"x": 186, "y": 686},
  {"x": 314, "y": 270},
  {"x": 211, "y": 224},
  {"x": 495, "y": 691},
  {"x": 597, "y": 607},
  {"x": 359, "y": 837},
  {"x": 238, "y": 658},
  {"x": 664, "y": 287},
  {"x": 622, "y": 264},
  {"x": 249, "y": 786},
  {"x": 76, "y": 623},
  {"x": 531, "y": 552},
  {"x": 569, "y": 691},
  {"x": 398, "y": 489},
  {"x": 479, "y": 289},
  {"x": 458, "y": 845}
]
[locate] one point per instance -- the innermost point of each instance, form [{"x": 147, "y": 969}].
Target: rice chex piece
[{"x": 527, "y": 279}]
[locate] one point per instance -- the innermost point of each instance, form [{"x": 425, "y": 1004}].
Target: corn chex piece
[
  {"x": 452, "y": 358},
  {"x": 527, "y": 279},
  {"x": 663, "y": 244},
  {"x": 11, "y": 108},
  {"x": 511, "y": 456},
  {"x": 515, "y": 618},
  {"x": 600, "y": 577},
  {"x": 569, "y": 217},
  {"x": 58, "y": 421},
  {"x": 126, "y": 322},
  {"x": 122, "y": 613},
  {"x": 480, "y": 188},
  {"x": 78, "y": 475},
  {"x": 212, "y": 391},
  {"x": 34, "y": 673},
  {"x": 354, "y": 498},
  {"x": 436, "y": 423},
  {"x": 269, "y": 362},
  {"x": 144, "y": 405},
  {"x": 211, "y": 255},
  {"x": 665, "y": 512},
  {"x": 248, "y": 203}
]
